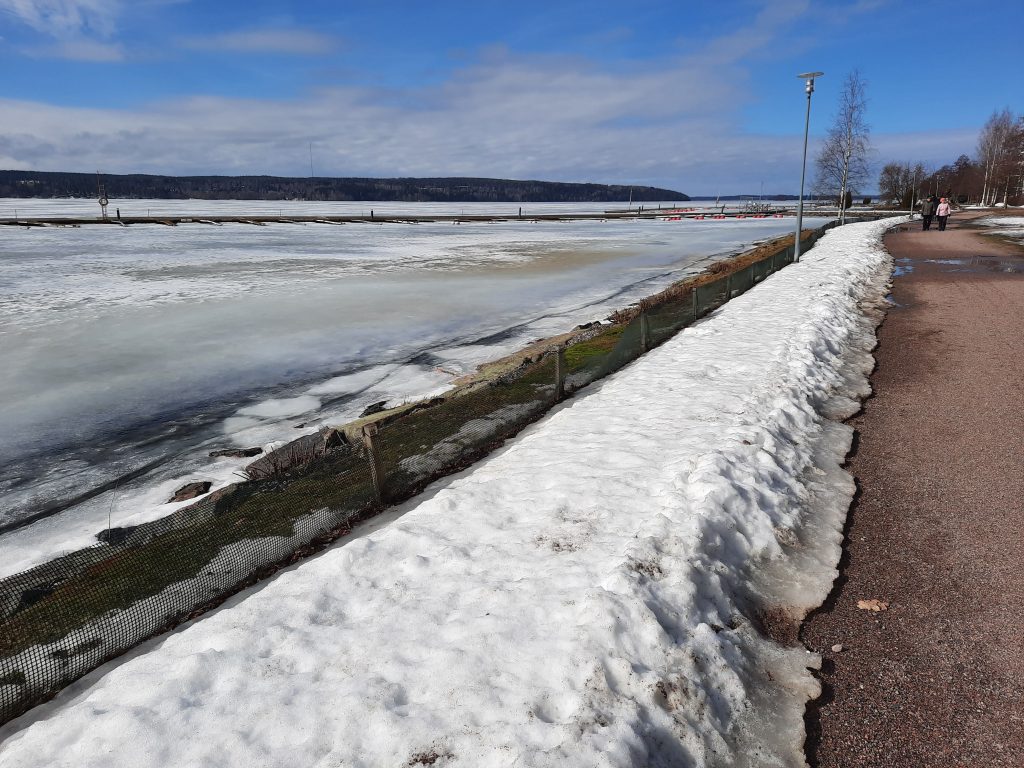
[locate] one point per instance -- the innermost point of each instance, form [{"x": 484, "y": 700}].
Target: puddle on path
[
  {"x": 903, "y": 267},
  {"x": 980, "y": 264}
]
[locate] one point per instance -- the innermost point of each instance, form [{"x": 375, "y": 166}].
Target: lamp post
[
  {"x": 809, "y": 77},
  {"x": 913, "y": 194}
]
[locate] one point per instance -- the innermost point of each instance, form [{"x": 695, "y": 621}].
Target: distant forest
[{"x": 454, "y": 190}]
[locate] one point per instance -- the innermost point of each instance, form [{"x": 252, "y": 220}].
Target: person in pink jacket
[{"x": 942, "y": 213}]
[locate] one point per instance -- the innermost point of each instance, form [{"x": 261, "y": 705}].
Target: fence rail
[{"x": 64, "y": 618}]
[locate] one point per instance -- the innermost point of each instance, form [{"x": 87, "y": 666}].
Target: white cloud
[
  {"x": 289, "y": 41},
  {"x": 761, "y": 32},
  {"x": 81, "y": 29},
  {"x": 495, "y": 122},
  {"x": 673, "y": 123},
  {"x": 65, "y": 18},
  {"x": 79, "y": 50}
]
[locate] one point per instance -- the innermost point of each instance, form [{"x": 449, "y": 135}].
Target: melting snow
[{"x": 584, "y": 597}]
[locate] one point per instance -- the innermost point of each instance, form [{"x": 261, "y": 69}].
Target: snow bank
[
  {"x": 591, "y": 595},
  {"x": 1004, "y": 226},
  {"x": 1002, "y": 221}
]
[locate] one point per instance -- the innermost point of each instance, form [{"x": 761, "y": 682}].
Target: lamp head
[{"x": 809, "y": 77}]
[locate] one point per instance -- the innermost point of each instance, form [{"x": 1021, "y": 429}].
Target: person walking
[
  {"x": 927, "y": 211},
  {"x": 942, "y": 213}
]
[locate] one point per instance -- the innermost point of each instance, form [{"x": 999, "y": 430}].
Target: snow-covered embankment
[{"x": 590, "y": 595}]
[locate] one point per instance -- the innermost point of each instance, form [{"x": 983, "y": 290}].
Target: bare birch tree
[
  {"x": 1015, "y": 160},
  {"x": 996, "y": 156},
  {"x": 842, "y": 162}
]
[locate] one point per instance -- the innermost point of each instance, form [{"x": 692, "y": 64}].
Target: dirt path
[{"x": 938, "y": 528}]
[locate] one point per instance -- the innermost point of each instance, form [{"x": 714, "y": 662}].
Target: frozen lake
[{"x": 130, "y": 353}]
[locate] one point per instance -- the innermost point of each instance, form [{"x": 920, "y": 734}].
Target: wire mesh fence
[{"x": 64, "y": 618}]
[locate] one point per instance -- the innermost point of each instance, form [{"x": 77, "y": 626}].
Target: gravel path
[{"x": 937, "y": 531}]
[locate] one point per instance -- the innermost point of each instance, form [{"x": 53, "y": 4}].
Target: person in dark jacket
[{"x": 927, "y": 211}]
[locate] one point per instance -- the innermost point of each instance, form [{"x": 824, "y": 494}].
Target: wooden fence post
[
  {"x": 645, "y": 341},
  {"x": 370, "y": 432}
]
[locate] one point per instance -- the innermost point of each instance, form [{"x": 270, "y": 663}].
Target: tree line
[
  {"x": 455, "y": 190},
  {"x": 994, "y": 176}
]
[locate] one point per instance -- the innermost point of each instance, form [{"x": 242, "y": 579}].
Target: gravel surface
[{"x": 937, "y": 531}]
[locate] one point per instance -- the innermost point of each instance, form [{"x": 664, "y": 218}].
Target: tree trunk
[{"x": 847, "y": 151}]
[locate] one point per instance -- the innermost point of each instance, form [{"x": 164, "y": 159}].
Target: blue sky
[{"x": 698, "y": 97}]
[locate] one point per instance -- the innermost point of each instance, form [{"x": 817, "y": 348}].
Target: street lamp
[
  {"x": 913, "y": 194},
  {"x": 809, "y": 77}
]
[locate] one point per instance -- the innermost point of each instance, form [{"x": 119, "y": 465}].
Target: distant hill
[{"x": 454, "y": 190}]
